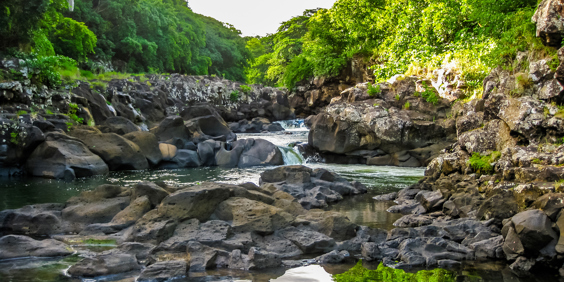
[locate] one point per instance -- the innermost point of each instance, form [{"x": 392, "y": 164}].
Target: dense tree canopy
[
  {"x": 397, "y": 36},
  {"x": 135, "y": 35}
]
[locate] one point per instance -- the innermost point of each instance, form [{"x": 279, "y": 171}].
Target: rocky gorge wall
[
  {"x": 153, "y": 121},
  {"x": 496, "y": 193}
]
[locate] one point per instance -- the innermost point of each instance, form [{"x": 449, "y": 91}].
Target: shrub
[
  {"x": 234, "y": 97},
  {"x": 407, "y": 105},
  {"x": 483, "y": 164},
  {"x": 373, "y": 90},
  {"x": 14, "y": 138},
  {"x": 245, "y": 89},
  {"x": 73, "y": 109},
  {"x": 384, "y": 273},
  {"x": 47, "y": 70}
]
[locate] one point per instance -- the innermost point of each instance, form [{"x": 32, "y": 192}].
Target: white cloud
[{"x": 255, "y": 17}]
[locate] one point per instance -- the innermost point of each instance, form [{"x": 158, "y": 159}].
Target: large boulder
[
  {"x": 247, "y": 215},
  {"x": 197, "y": 201},
  {"x": 163, "y": 271},
  {"x": 307, "y": 240},
  {"x": 260, "y": 152},
  {"x": 133, "y": 212},
  {"x": 154, "y": 192},
  {"x": 312, "y": 188},
  {"x": 211, "y": 233},
  {"x": 35, "y": 220},
  {"x": 118, "y": 125},
  {"x": 332, "y": 224},
  {"x": 148, "y": 144},
  {"x": 534, "y": 229},
  {"x": 16, "y": 246},
  {"x": 549, "y": 25},
  {"x": 98, "y": 206},
  {"x": 182, "y": 158},
  {"x": 118, "y": 152},
  {"x": 203, "y": 122},
  {"x": 97, "y": 104},
  {"x": 172, "y": 131},
  {"x": 495, "y": 136},
  {"x": 153, "y": 228},
  {"x": 104, "y": 264},
  {"x": 64, "y": 157}
]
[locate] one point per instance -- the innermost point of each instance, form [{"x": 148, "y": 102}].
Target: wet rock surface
[
  {"x": 159, "y": 234},
  {"x": 395, "y": 126}
]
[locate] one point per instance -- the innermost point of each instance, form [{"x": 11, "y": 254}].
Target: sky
[{"x": 255, "y": 17}]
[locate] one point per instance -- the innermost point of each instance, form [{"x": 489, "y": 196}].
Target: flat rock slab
[
  {"x": 105, "y": 264},
  {"x": 163, "y": 271},
  {"x": 197, "y": 201},
  {"x": 17, "y": 246}
]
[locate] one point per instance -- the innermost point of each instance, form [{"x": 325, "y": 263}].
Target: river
[{"x": 360, "y": 209}]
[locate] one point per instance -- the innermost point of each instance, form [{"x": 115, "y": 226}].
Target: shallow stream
[{"x": 361, "y": 209}]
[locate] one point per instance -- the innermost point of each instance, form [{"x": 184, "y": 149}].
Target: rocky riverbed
[{"x": 165, "y": 231}]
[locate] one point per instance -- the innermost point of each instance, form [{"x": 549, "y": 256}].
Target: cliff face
[{"x": 386, "y": 124}]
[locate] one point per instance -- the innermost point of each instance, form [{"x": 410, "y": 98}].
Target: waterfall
[
  {"x": 71, "y": 5},
  {"x": 291, "y": 156},
  {"x": 293, "y": 125}
]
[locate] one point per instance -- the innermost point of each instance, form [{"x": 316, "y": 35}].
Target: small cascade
[
  {"x": 293, "y": 125},
  {"x": 291, "y": 156}
]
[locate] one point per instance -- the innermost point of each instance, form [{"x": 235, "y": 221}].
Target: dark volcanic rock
[
  {"x": 164, "y": 271},
  {"x": 104, "y": 264},
  {"x": 61, "y": 156},
  {"x": 118, "y": 152},
  {"x": 16, "y": 246}
]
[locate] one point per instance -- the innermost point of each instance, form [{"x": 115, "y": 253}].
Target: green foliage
[
  {"x": 373, "y": 91},
  {"x": 407, "y": 105},
  {"x": 22, "y": 112},
  {"x": 483, "y": 164},
  {"x": 360, "y": 274},
  {"x": 72, "y": 113},
  {"x": 153, "y": 36},
  {"x": 430, "y": 95},
  {"x": 398, "y": 36},
  {"x": 397, "y": 97},
  {"x": 47, "y": 70},
  {"x": 40, "y": 26},
  {"x": 226, "y": 50},
  {"x": 234, "y": 96},
  {"x": 245, "y": 88},
  {"x": 14, "y": 138},
  {"x": 553, "y": 63}
]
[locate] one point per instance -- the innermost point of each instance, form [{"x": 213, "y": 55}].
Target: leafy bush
[
  {"x": 430, "y": 96},
  {"x": 47, "y": 69},
  {"x": 360, "y": 274},
  {"x": 234, "y": 97},
  {"x": 483, "y": 164},
  {"x": 14, "y": 138},
  {"x": 73, "y": 109},
  {"x": 373, "y": 90},
  {"x": 245, "y": 88}
]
